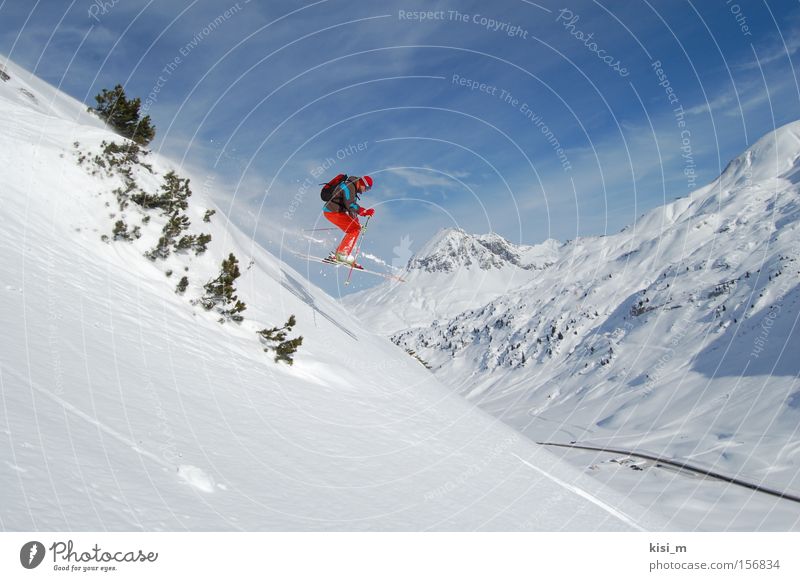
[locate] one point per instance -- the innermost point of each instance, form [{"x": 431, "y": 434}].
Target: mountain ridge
[{"x": 644, "y": 336}]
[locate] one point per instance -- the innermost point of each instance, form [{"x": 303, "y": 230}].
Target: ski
[{"x": 311, "y": 258}]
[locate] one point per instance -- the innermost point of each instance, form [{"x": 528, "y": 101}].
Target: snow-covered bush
[
  {"x": 220, "y": 292},
  {"x": 276, "y": 341},
  {"x": 182, "y": 285},
  {"x": 172, "y": 197},
  {"x": 176, "y": 224},
  {"x": 121, "y": 231},
  {"x": 123, "y": 115}
]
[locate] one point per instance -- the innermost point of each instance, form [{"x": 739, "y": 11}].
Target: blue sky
[{"x": 530, "y": 119}]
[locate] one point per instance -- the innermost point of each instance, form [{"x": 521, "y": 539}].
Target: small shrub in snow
[
  {"x": 277, "y": 342},
  {"x": 208, "y": 214},
  {"x": 183, "y": 283},
  {"x": 161, "y": 249},
  {"x": 172, "y": 197},
  {"x": 201, "y": 243},
  {"x": 124, "y": 155},
  {"x": 175, "y": 192},
  {"x": 185, "y": 242},
  {"x": 176, "y": 224},
  {"x": 285, "y": 351},
  {"x": 418, "y": 358},
  {"x": 220, "y": 292},
  {"x": 121, "y": 231},
  {"x": 197, "y": 243},
  {"x": 116, "y": 159}
]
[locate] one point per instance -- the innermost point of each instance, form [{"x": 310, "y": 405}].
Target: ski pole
[{"x": 359, "y": 240}]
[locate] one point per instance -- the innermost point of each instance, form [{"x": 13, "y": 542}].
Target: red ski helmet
[{"x": 366, "y": 181}]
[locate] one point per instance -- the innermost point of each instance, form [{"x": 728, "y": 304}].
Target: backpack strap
[{"x": 343, "y": 196}]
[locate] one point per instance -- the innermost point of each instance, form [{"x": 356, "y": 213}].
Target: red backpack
[{"x": 327, "y": 189}]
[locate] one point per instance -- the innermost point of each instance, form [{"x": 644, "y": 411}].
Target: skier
[{"x": 343, "y": 210}]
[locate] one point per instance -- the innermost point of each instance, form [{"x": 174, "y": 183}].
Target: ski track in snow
[
  {"x": 93, "y": 421},
  {"x": 583, "y": 494}
]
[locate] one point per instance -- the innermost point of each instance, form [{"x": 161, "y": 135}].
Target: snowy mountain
[
  {"x": 453, "y": 272},
  {"x": 128, "y": 406},
  {"x": 676, "y": 336},
  {"x": 453, "y": 249}
]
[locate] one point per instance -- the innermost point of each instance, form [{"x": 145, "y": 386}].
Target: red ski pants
[{"x": 349, "y": 225}]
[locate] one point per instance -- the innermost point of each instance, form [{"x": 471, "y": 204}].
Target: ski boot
[{"x": 345, "y": 259}]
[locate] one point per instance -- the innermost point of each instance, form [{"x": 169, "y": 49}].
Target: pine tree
[
  {"x": 186, "y": 242},
  {"x": 276, "y": 340},
  {"x": 278, "y": 334},
  {"x": 220, "y": 292},
  {"x": 161, "y": 250},
  {"x": 121, "y": 231},
  {"x": 175, "y": 192},
  {"x": 201, "y": 243},
  {"x": 123, "y": 115},
  {"x": 176, "y": 224},
  {"x": 183, "y": 284},
  {"x": 198, "y": 243},
  {"x": 286, "y": 350},
  {"x": 172, "y": 197}
]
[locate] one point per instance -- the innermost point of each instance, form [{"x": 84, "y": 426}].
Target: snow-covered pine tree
[
  {"x": 121, "y": 231},
  {"x": 285, "y": 351},
  {"x": 173, "y": 196},
  {"x": 186, "y": 242},
  {"x": 276, "y": 341},
  {"x": 176, "y": 224},
  {"x": 198, "y": 243},
  {"x": 123, "y": 115},
  {"x": 220, "y": 292},
  {"x": 175, "y": 193},
  {"x": 201, "y": 243}
]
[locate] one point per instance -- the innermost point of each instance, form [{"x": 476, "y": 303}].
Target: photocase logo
[{"x": 32, "y": 554}]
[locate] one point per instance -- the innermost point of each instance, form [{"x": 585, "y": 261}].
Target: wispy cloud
[
  {"x": 774, "y": 51},
  {"x": 748, "y": 95},
  {"x": 429, "y": 177}
]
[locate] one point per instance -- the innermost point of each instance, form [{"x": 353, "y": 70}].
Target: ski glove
[{"x": 369, "y": 212}]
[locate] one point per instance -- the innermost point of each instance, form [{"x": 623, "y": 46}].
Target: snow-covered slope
[
  {"x": 125, "y": 407},
  {"x": 678, "y": 335},
  {"x": 453, "y": 272},
  {"x": 29, "y": 91}
]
